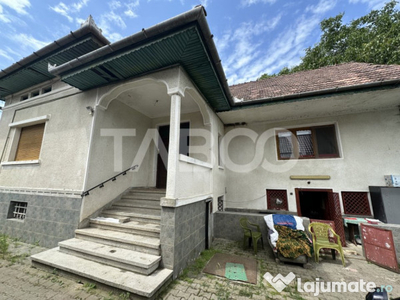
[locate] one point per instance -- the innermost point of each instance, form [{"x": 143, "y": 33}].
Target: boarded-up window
[{"x": 30, "y": 142}]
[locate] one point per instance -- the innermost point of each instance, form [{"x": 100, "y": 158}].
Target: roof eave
[
  {"x": 87, "y": 28},
  {"x": 196, "y": 15}
]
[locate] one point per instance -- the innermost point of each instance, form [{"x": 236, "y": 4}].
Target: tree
[{"x": 373, "y": 38}]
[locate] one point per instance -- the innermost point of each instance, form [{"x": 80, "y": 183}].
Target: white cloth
[{"x": 274, "y": 235}]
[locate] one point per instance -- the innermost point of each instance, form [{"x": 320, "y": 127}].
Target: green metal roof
[
  {"x": 184, "y": 47},
  {"x": 37, "y": 72}
]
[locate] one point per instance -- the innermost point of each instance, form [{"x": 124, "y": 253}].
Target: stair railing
[{"x": 113, "y": 178}]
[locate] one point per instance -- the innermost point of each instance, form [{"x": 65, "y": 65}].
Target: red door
[{"x": 379, "y": 247}]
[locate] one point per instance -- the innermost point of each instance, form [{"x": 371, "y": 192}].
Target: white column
[{"x": 173, "y": 149}]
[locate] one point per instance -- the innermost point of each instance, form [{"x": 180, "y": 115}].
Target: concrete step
[
  {"x": 150, "y": 190},
  {"x": 134, "y": 204},
  {"x": 138, "y": 217},
  {"x": 138, "y": 210},
  {"x": 140, "y": 199},
  {"x": 147, "y": 229},
  {"x": 145, "y": 244},
  {"x": 137, "y": 284},
  {"x": 144, "y": 196},
  {"x": 129, "y": 260},
  {"x": 138, "y": 203}
]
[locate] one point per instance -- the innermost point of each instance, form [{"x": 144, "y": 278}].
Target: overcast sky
[{"x": 252, "y": 36}]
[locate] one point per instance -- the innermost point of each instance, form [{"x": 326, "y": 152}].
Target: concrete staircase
[{"x": 120, "y": 249}]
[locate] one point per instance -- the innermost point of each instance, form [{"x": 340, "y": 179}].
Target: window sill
[
  {"x": 16, "y": 220},
  {"x": 18, "y": 163}
]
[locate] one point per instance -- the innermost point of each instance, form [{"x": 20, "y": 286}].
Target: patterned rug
[{"x": 233, "y": 267}]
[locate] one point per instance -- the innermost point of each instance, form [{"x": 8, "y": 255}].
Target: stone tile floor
[
  {"x": 19, "y": 281},
  {"x": 203, "y": 286}
]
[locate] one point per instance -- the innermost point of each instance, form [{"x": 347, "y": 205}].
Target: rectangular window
[
  {"x": 35, "y": 93},
  {"x": 24, "y": 97},
  {"x": 356, "y": 203},
  {"x": 221, "y": 203},
  {"x": 46, "y": 90},
  {"x": 309, "y": 142},
  {"x": 17, "y": 210},
  {"x": 30, "y": 143},
  {"x": 277, "y": 200}
]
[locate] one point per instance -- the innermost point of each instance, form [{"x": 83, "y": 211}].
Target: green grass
[
  {"x": 198, "y": 265},
  {"x": 4, "y": 244},
  {"x": 89, "y": 286}
]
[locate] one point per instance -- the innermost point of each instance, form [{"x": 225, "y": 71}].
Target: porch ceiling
[
  {"x": 153, "y": 101},
  {"x": 346, "y": 103}
]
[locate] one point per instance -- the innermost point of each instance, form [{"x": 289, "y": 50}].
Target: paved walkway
[
  {"x": 202, "y": 286},
  {"x": 19, "y": 281}
]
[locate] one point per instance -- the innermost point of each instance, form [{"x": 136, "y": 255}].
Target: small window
[
  {"x": 46, "y": 90},
  {"x": 24, "y": 97},
  {"x": 277, "y": 200},
  {"x": 221, "y": 203},
  {"x": 310, "y": 142},
  {"x": 356, "y": 203},
  {"x": 17, "y": 210},
  {"x": 30, "y": 143},
  {"x": 35, "y": 93}
]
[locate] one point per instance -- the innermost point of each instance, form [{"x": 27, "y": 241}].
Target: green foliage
[
  {"x": 198, "y": 265},
  {"x": 373, "y": 38},
  {"x": 4, "y": 244},
  {"x": 89, "y": 286}
]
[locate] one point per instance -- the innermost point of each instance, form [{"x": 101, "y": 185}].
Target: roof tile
[{"x": 330, "y": 77}]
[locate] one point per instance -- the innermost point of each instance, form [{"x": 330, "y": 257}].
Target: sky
[{"x": 252, "y": 36}]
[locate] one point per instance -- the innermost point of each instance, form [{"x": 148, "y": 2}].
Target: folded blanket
[
  {"x": 292, "y": 243},
  {"x": 271, "y": 219}
]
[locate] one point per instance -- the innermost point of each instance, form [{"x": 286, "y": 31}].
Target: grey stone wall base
[
  {"x": 49, "y": 219},
  {"x": 183, "y": 234}
]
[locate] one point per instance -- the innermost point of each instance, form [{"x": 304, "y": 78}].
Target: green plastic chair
[
  {"x": 320, "y": 233},
  {"x": 251, "y": 235}
]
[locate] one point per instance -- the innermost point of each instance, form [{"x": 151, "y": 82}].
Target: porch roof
[
  {"x": 184, "y": 40},
  {"x": 33, "y": 69}
]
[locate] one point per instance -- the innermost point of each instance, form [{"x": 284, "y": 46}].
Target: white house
[{"x": 146, "y": 132}]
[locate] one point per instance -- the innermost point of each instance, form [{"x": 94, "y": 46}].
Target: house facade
[{"x": 87, "y": 123}]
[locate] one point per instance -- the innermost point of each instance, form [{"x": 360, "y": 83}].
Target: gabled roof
[
  {"x": 32, "y": 69},
  {"x": 321, "y": 81}
]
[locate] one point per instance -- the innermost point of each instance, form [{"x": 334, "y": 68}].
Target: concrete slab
[
  {"x": 138, "y": 284},
  {"x": 120, "y": 239},
  {"x": 117, "y": 257}
]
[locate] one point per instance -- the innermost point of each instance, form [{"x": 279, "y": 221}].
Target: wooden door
[{"x": 162, "y": 165}]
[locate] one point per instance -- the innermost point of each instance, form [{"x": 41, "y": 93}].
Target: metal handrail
[{"x": 113, "y": 178}]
